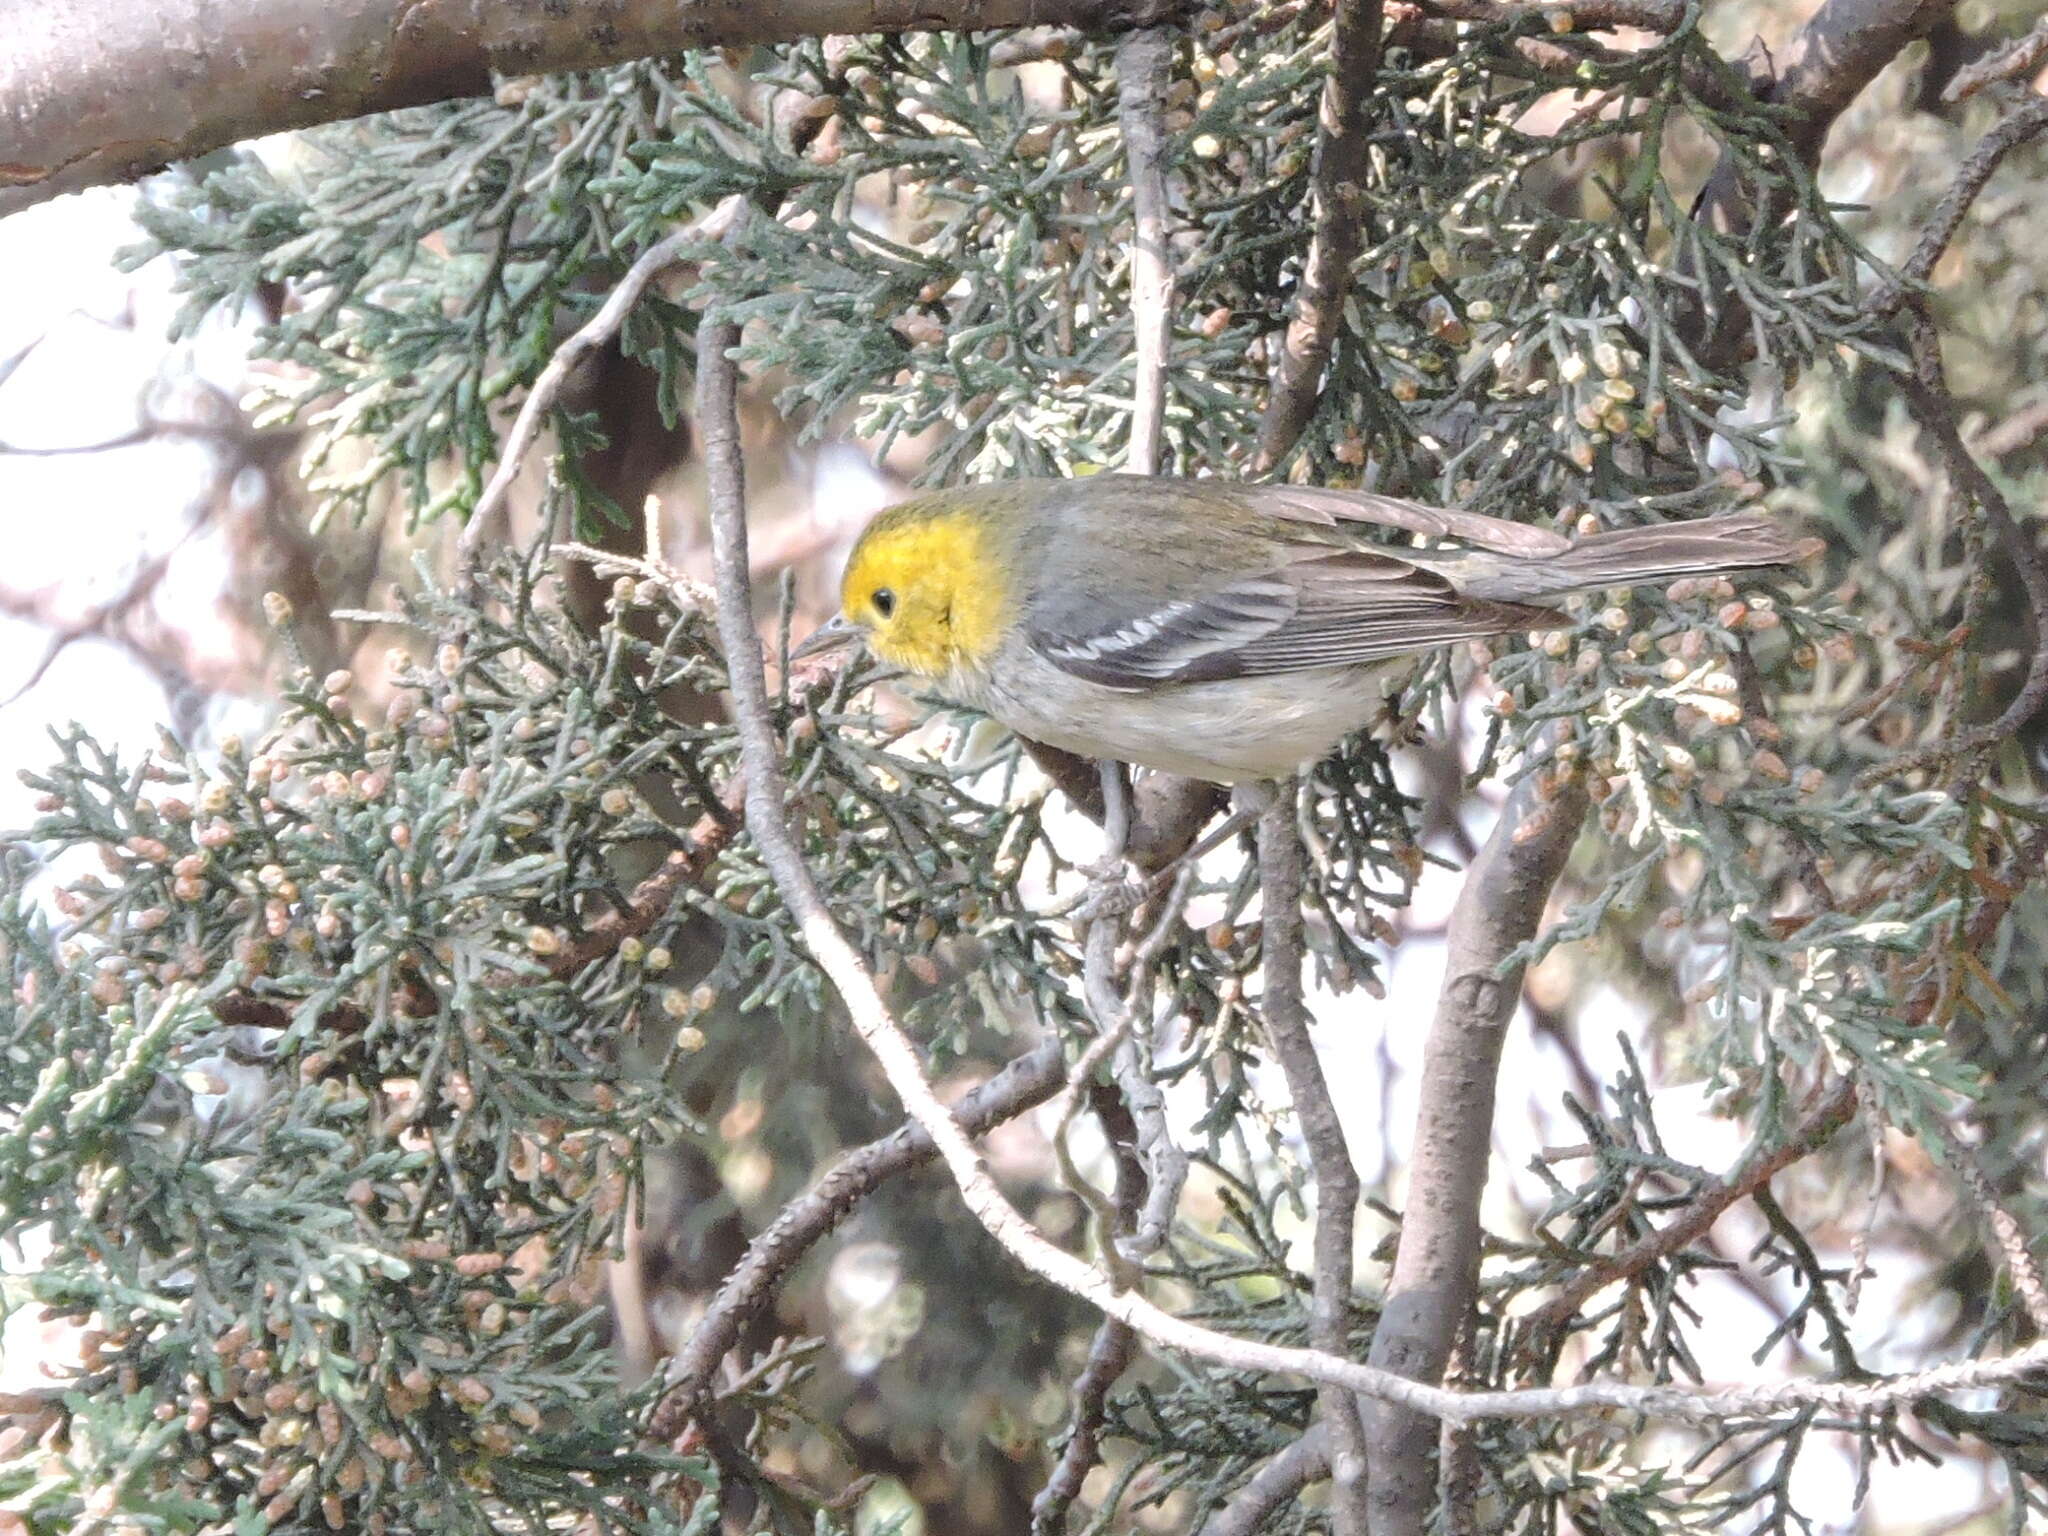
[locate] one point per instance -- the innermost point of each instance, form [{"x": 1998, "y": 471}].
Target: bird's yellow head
[{"x": 928, "y": 587}]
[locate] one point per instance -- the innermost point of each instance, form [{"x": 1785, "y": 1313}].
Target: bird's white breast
[{"x": 1230, "y": 732}]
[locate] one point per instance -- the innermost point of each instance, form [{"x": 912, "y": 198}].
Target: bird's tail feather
[{"x": 1621, "y": 557}]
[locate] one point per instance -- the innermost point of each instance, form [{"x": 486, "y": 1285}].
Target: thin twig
[
  {"x": 1114, "y": 1345},
  {"x": 1151, "y": 1169},
  {"x": 1436, "y": 1265},
  {"x": 1109, "y": 1355},
  {"x": 1144, "y": 61},
  {"x": 1928, "y": 397},
  {"x": 2015, "y": 432},
  {"x": 595, "y": 332},
  {"x": 2013, "y": 1244},
  {"x": 1756, "y": 1171},
  {"x": 1661, "y": 16},
  {"x": 1166, "y": 1164},
  {"x": 1342, "y": 145},
  {"x": 897, "y": 1056},
  {"x": 1287, "y": 1033},
  {"x": 2007, "y": 135},
  {"x": 1844, "y": 46},
  {"x": 1144, "y": 66},
  {"x": 2016, "y": 58}
]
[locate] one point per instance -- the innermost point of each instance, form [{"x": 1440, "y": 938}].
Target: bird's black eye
[{"x": 884, "y": 601}]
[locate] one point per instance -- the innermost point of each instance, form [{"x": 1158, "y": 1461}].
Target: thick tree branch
[
  {"x": 1341, "y": 149},
  {"x": 1144, "y": 64},
  {"x": 1436, "y": 1266},
  {"x": 1582, "y": 15},
  {"x": 92, "y": 93}
]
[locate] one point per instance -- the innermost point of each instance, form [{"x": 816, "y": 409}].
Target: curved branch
[
  {"x": 1844, "y": 47},
  {"x": 1278, "y": 1481},
  {"x": 1436, "y": 1266},
  {"x": 2007, "y": 135},
  {"x": 1814, "y": 1131},
  {"x": 594, "y": 333}
]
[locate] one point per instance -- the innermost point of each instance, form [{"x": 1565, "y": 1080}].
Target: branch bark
[
  {"x": 1144, "y": 64},
  {"x": 1436, "y": 1266},
  {"x": 74, "y": 111},
  {"x": 1341, "y": 149},
  {"x": 1277, "y": 1482},
  {"x": 1336, "y": 1179}
]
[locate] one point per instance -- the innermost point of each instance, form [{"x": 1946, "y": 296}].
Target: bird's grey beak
[{"x": 828, "y": 636}]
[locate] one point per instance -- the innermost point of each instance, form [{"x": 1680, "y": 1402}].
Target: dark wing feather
[
  {"x": 1323, "y": 610},
  {"x": 1171, "y": 643}
]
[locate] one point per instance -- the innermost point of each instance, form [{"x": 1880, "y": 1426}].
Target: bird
[{"x": 1214, "y": 629}]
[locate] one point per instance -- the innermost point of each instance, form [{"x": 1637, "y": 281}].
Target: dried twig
[
  {"x": 2016, "y": 58},
  {"x": 1756, "y": 1171},
  {"x": 2010, "y": 132},
  {"x": 1339, "y": 211},
  {"x": 595, "y": 332},
  {"x": 1436, "y": 1265},
  {"x": 1286, "y": 1021}
]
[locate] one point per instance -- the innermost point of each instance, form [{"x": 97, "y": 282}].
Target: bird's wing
[{"x": 1320, "y": 610}]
